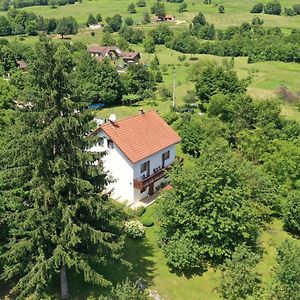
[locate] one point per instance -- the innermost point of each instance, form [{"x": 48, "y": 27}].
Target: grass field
[
  {"x": 266, "y": 78},
  {"x": 236, "y": 11}
]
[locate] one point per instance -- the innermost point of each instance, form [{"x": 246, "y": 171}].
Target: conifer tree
[{"x": 60, "y": 220}]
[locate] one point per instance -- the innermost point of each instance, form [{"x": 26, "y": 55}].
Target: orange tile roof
[{"x": 141, "y": 136}]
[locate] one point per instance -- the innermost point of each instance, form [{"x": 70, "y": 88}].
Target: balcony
[{"x": 143, "y": 183}]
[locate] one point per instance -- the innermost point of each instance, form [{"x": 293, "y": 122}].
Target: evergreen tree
[
  {"x": 98, "y": 18},
  {"x": 91, "y": 20},
  {"x": 60, "y": 219}
]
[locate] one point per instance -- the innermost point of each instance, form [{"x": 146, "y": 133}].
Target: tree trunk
[{"x": 64, "y": 283}]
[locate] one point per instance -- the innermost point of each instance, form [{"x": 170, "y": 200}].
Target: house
[
  {"x": 168, "y": 18},
  {"x": 101, "y": 52},
  {"x": 139, "y": 151},
  {"x": 116, "y": 56},
  {"x": 131, "y": 57}
]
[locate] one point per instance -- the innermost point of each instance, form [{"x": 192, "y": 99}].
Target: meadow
[{"x": 236, "y": 12}]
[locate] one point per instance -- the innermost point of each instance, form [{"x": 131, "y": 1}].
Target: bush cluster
[
  {"x": 134, "y": 229},
  {"x": 147, "y": 222}
]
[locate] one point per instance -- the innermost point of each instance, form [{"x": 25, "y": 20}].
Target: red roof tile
[
  {"x": 103, "y": 50},
  {"x": 141, "y": 136},
  {"x": 168, "y": 187},
  {"x": 130, "y": 55}
]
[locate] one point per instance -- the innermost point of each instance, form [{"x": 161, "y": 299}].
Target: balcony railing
[{"x": 143, "y": 183}]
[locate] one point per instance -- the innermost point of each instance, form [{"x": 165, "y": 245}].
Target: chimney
[{"x": 142, "y": 111}]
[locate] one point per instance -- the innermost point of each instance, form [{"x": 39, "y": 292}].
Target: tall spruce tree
[{"x": 60, "y": 220}]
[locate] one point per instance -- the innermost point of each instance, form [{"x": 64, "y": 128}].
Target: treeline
[
  {"x": 274, "y": 8},
  {"x": 252, "y": 40},
  {"x": 6, "y": 4},
  {"x": 22, "y": 22},
  {"x": 249, "y": 39}
]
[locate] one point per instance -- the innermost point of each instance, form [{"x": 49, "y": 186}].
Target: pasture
[{"x": 236, "y": 12}]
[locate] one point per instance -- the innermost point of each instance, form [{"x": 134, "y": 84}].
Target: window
[
  {"x": 110, "y": 144},
  {"x": 145, "y": 167},
  {"x": 166, "y": 155},
  {"x": 101, "y": 142}
]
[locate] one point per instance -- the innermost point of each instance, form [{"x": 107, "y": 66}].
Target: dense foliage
[
  {"x": 242, "y": 159},
  {"x": 216, "y": 204},
  {"x": 58, "y": 219},
  {"x": 5, "y": 4},
  {"x": 21, "y": 22},
  {"x": 239, "y": 278},
  {"x": 287, "y": 275}
]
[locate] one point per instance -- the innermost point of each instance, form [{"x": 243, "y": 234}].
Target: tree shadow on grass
[
  {"x": 137, "y": 252},
  {"x": 190, "y": 273}
]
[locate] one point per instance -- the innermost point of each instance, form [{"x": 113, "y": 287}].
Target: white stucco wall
[{"x": 123, "y": 171}]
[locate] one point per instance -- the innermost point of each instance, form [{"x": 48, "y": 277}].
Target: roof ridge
[{"x": 131, "y": 117}]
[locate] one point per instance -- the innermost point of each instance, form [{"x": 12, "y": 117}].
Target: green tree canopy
[
  {"x": 216, "y": 79},
  {"x": 97, "y": 81},
  {"x": 286, "y": 282},
  {"x": 67, "y": 25},
  {"x": 239, "y": 278},
  {"x": 217, "y": 203}
]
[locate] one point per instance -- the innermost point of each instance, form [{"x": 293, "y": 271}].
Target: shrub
[
  {"x": 257, "y": 8},
  {"x": 141, "y": 3},
  {"x": 221, "y": 9},
  {"x": 147, "y": 222},
  {"x": 291, "y": 214},
  {"x": 134, "y": 229},
  {"x": 273, "y": 8},
  {"x": 296, "y": 9},
  {"x": 140, "y": 211},
  {"x": 93, "y": 33}
]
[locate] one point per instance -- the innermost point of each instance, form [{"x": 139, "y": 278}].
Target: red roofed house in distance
[{"x": 139, "y": 150}]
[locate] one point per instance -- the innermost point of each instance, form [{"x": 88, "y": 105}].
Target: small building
[
  {"x": 168, "y": 18},
  {"x": 111, "y": 52},
  {"x": 131, "y": 57},
  {"x": 139, "y": 151}
]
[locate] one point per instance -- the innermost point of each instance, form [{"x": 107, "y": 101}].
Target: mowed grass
[{"x": 236, "y": 12}]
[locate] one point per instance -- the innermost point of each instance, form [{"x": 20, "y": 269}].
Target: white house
[{"x": 139, "y": 150}]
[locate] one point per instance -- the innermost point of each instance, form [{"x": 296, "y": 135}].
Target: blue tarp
[{"x": 96, "y": 106}]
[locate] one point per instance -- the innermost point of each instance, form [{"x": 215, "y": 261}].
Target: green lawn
[{"x": 236, "y": 11}]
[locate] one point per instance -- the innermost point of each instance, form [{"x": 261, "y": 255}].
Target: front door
[{"x": 151, "y": 189}]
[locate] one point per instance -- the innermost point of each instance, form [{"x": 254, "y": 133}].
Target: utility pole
[{"x": 174, "y": 87}]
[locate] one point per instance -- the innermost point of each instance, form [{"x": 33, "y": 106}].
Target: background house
[
  {"x": 140, "y": 149},
  {"x": 116, "y": 56}
]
